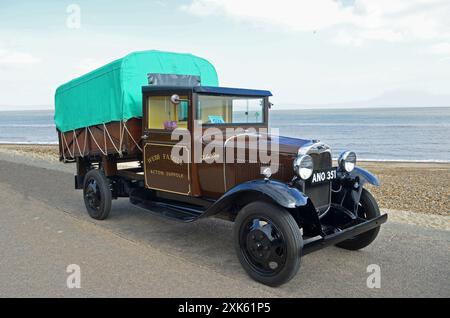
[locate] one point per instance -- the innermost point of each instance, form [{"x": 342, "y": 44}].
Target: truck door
[{"x": 161, "y": 118}]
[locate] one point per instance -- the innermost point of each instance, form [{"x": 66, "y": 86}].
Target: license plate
[{"x": 321, "y": 176}]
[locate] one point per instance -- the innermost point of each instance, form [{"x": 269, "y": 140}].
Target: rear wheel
[
  {"x": 268, "y": 243},
  {"x": 97, "y": 194},
  {"x": 368, "y": 209}
]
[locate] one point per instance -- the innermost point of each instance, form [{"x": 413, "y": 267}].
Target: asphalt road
[{"x": 44, "y": 227}]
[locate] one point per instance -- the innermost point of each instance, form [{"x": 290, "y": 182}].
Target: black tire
[
  {"x": 279, "y": 258},
  {"x": 368, "y": 209},
  {"x": 97, "y": 194}
]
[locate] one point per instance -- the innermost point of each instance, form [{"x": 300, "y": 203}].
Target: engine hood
[{"x": 288, "y": 145}]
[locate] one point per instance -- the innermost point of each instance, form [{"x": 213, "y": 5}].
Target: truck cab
[{"x": 192, "y": 112}]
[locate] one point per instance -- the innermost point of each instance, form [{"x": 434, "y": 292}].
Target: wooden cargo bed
[{"x": 119, "y": 139}]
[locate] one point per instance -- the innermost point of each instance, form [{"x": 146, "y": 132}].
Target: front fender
[
  {"x": 365, "y": 176},
  {"x": 282, "y": 194},
  {"x": 286, "y": 196}
]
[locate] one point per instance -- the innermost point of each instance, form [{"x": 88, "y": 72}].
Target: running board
[{"x": 171, "y": 211}]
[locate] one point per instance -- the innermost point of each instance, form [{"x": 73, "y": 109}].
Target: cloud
[
  {"x": 288, "y": 14},
  {"x": 353, "y": 21},
  {"x": 15, "y": 58},
  {"x": 402, "y": 20}
]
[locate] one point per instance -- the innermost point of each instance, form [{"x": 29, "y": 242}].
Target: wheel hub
[
  {"x": 265, "y": 245},
  {"x": 93, "y": 195},
  {"x": 259, "y": 244}
]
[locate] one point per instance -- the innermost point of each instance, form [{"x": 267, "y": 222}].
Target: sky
[{"x": 321, "y": 52}]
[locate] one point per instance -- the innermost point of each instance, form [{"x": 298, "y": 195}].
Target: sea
[{"x": 380, "y": 134}]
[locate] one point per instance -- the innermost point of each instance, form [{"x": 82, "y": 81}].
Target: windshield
[{"x": 230, "y": 109}]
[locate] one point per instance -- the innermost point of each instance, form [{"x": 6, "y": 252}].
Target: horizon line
[{"x": 302, "y": 107}]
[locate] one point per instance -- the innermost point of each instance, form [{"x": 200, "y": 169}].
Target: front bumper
[{"x": 315, "y": 244}]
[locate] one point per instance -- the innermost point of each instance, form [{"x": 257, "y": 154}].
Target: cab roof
[
  {"x": 231, "y": 91},
  {"x": 211, "y": 90}
]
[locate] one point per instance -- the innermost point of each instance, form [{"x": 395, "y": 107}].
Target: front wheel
[
  {"x": 367, "y": 209},
  {"x": 268, "y": 243},
  {"x": 97, "y": 194}
]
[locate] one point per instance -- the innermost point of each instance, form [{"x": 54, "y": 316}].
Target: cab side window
[{"x": 163, "y": 114}]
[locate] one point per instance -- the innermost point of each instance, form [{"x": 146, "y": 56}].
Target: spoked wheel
[
  {"x": 268, "y": 243},
  {"x": 97, "y": 195},
  {"x": 368, "y": 209}
]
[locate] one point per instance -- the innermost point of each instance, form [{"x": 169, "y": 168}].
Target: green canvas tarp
[{"x": 114, "y": 91}]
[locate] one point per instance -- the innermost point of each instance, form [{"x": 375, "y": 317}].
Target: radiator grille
[{"x": 320, "y": 194}]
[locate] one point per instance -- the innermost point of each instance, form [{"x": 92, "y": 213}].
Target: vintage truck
[{"x": 144, "y": 109}]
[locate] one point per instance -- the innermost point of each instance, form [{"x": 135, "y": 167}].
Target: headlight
[
  {"x": 304, "y": 167},
  {"x": 347, "y": 161}
]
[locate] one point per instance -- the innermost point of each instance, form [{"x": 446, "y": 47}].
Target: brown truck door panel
[
  {"x": 162, "y": 171},
  {"x": 210, "y": 173},
  {"x": 217, "y": 178}
]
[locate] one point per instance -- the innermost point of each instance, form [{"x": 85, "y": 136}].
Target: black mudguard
[
  {"x": 350, "y": 187},
  {"x": 278, "y": 192},
  {"x": 365, "y": 176}
]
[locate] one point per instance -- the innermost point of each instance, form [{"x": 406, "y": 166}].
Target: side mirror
[{"x": 175, "y": 99}]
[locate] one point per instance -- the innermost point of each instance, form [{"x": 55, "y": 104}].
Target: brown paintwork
[
  {"x": 163, "y": 173},
  {"x": 212, "y": 179},
  {"x": 109, "y": 167},
  {"x": 74, "y": 148}
]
